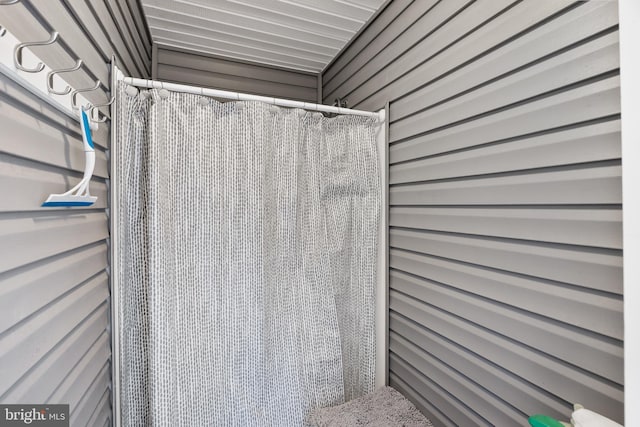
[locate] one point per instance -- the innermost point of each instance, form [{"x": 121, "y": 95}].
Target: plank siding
[
  {"x": 55, "y": 341},
  {"x": 505, "y": 218},
  {"x": 208, "y": 71}
]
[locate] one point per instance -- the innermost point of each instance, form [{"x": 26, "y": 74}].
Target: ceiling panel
[{"x": 298, "y": 34}]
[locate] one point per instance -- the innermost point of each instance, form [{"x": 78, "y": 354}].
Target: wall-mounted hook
[
  {"x": 113, "y": 98},
  {"x": 8, "y": 2},
  {"x": 74, "y": 94},
  {"x": 96, "y": 116},
  {"x": 95, "y": 113},
  {"x": 52, "y": 73},
  {"x": 17, "y": 53}
]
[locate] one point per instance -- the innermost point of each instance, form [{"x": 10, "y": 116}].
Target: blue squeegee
[{"x": 79, "y": 195}]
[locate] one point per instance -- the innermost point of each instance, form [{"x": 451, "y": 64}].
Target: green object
[{"x": 544, "y": 421}]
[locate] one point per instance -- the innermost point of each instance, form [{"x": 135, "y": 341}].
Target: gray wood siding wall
[
  {"x": 505, "y": 202},
  {"x": 55, "y": 344},
  {"x": 207, "y": 71}
]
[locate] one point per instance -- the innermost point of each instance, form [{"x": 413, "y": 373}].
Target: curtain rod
[{"x": 248, "y": 97}]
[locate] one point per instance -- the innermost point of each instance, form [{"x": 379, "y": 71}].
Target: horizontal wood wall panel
[
  {"x": 31, "y": 238},
  {"x": 139, "y": 22},
  {"x": 46, "y": 280},
  {"x": 122, "y": 14},
  {"x": 48, "y": 327},
  {"x": 43, "y": 379},
  {"x": 25, "y": 22},
  {"x": 594, "y": 354},
  {"x": 592, "y": 143},
  {"x": 24, "y": 109},
  {"x": 413, "y": 44},
  {"x": 217, "y": 73},
  {"x": 29, "y": 184},
  {"x": 489, "y": 408},
  {"x": 477, "y": 369},
  {"x": 80, "y": 379},
  {"x": 435, "y": 413},
  {"x": 91, "y": 31},
  {"x": 107, "y": 38},
  {"x": 576, "y": 65},
  {"x": 457, "y": 411},
  {"x": 404, "y": 63},
  {"x": 484, "y": 57},
  {"x": 568, "y": 383},
  {"x": 102, "y": 414},
  {"x": 92, "y": 399},
  {"x": 598, "y": 184},
  {"x": 591, "y": 102},
  {"x": 222, "y": 66},
  {"x": 392, "y": 12},
  {"x": 595, "y": 269},
  {"x": 54, "y": 285},
  {"x": 60, "y": 149},
  {"x": 596, "y": 312},
  {"x": 505, "y": 203},
  {"x": 114, "y": 24},
  {"x": 234, "y": 83},
  {"x": 394, "y": 27},
  {"x": 600, "y": 228}
]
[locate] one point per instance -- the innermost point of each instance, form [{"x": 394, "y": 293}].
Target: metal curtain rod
[{"x": 247, "y": 97}]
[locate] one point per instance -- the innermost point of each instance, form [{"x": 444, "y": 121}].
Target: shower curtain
[{"x": 247, "y": 249}]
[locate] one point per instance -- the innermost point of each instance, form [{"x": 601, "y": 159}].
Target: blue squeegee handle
[
  {"x": 89, "y": 151},
  {"x": 86, "y": 132}
]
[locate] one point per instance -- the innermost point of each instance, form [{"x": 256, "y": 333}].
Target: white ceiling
[{"x": 299, "y": 34}]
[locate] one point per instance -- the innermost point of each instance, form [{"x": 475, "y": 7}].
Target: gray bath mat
[{"x": 386, "y": 407}]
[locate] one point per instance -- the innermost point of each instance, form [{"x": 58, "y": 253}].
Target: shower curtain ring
[
  {"x": 52, "y": 73},
  {"x": 74, "y": 94},
  {"x": 17, "y": 53}
]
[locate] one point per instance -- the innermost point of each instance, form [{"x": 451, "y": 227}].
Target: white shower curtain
[{"x": 247, "y": 249}]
